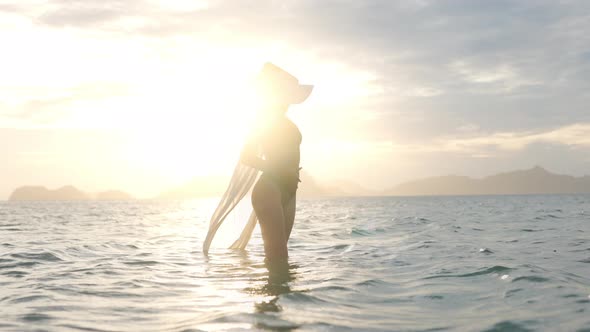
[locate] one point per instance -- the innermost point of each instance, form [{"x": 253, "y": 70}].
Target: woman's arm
[{"x": 249, "y": 157}]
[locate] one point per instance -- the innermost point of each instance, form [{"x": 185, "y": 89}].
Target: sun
[
  {"x": 194, "y": 128},
  {"x": 182, "y": 117}
]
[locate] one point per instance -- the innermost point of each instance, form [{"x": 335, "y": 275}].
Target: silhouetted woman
[
  {"x": 277, "y": 140},
  {"x": 273, "y": 149}
]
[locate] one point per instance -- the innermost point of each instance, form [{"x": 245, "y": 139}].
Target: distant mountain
[
  {"x": 309, "y": 187},
  {"x": 66, "y": 193},
  {"x": 39, "y": 193},
  {"x": 536, "y": 180}
]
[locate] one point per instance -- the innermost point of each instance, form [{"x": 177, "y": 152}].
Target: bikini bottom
[{"x": 287, "y": 185}]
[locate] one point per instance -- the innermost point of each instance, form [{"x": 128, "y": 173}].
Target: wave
[
  {"x": 531, "y": 279},
  {"x": 43, "y": 256},
  {"x": 498, "y": 269},
  {"x": 301, "y": 297},
  {"x": 512, "y": 326}
]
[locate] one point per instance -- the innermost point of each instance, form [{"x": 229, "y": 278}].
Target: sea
[{"x": 479, "y": 263}]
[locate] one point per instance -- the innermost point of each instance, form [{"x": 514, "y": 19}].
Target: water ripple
[
  {"x": 491, "y": 270},
  {"x": 499, "y": 263}
]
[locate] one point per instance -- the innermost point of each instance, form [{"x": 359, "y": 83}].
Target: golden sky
[{"x": 143, "y": 95}]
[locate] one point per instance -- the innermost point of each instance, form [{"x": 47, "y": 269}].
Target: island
[
  {"x": 536, "y": 180},
  {"x": 65, "y": 193}
]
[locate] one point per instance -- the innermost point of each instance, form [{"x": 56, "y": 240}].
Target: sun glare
[
  {"x": 183, "y": 106},
  {"x": 193, "y": 122},
  {"x": 192, "y": 133},
  {"x": 183, "y": 118}
]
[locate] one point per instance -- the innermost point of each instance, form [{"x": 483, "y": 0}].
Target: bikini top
[{"x": 280, "y": 144}]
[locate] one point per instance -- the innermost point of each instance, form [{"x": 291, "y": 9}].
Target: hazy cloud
[
  {"x": 486, "y": 145},
  {"x": 516, "y": 58},
  {"x": 65, "y": 13},
  {"x": 51, "y": 105}
]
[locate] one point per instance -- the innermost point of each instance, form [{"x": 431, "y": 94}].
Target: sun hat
[{"x": 279, "y": 81}]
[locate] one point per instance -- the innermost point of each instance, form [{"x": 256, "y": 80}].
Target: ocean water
[{"x": 490, "y": 263}]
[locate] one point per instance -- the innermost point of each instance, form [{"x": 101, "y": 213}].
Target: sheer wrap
[{"x": 241, "y": 182}]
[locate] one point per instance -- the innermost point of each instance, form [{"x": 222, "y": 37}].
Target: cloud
[
  {"x": 501, "y": 65},
  {"x": 85, "y": 13},
  {"x": 39, "y": 110},
  {"x": 53, "y": 104},
  {"x": 489, "y": 145}
]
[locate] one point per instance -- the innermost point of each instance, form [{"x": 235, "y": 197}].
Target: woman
[
  {"x": 274, "y": 150},
  {"x": 274, "y": 195}
]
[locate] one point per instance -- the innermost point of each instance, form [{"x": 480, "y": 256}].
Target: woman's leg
[
  {"x": 289, "y": 212},
  {"x": 266, "y": 200}
]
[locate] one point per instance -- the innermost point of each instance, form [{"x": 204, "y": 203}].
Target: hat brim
[{"x": 301, "y": 93}]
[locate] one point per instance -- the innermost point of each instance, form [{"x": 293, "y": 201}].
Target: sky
[{"x": 143, "y": 95}]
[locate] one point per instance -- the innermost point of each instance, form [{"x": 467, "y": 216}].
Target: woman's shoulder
[
  {"x": 277, "y": 126},
  {"x": 274, "y": 130},
  {"x": 289, "y": 122}
]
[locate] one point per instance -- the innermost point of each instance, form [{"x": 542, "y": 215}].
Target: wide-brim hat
[{"x": 283, "y": 83}]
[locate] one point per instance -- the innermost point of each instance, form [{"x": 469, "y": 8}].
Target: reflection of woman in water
[
  {"x": 272, "y": 149},
  {"x": 278, "y": 140}
]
